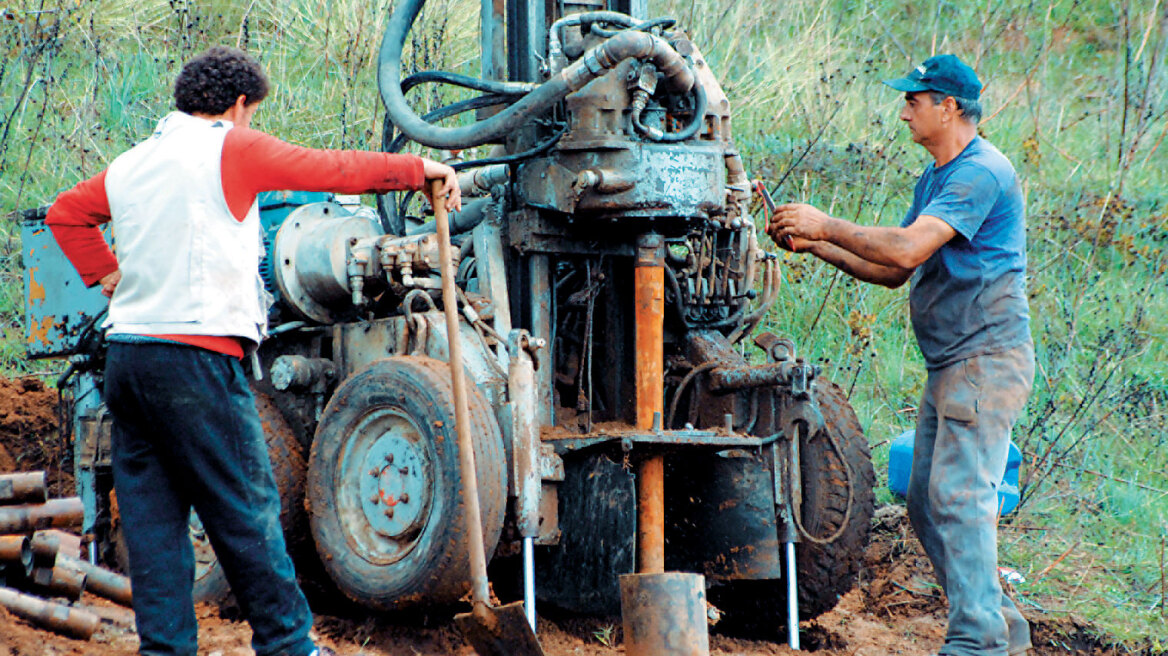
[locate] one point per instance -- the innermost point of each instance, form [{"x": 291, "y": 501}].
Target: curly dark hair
[{"x": 210, "y": 83}]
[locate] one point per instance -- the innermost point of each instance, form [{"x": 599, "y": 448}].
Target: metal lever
[{"x": 785, "y": 464}]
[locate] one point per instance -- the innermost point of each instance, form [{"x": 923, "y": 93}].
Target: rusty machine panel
[{"x": 58, "y": 308}]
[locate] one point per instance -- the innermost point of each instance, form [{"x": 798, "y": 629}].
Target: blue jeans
[
  {"x": 959, "y": 457},
  {"x": 186, "y": 434}
]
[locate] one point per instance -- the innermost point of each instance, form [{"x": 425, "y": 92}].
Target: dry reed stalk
[{"x": 1058, "y": 560}]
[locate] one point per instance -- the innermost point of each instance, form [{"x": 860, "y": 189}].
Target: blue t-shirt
[{"x": 969, "y": 297}]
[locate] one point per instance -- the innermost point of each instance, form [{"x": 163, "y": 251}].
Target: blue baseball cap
[{"x": 944, "y": 73}]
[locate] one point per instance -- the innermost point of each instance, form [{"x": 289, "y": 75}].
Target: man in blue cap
[{"x": 963, "y": 245}]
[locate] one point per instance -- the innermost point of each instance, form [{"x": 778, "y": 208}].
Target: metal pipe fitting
[
  {"x": 556, "y": 59},
  {"x": 478, "y": 182},
  {"x": 55, "y": 513},
  {"x": 56, "y": 617},
  {"x": 292, "y": 372},
  {"x": 28, "y": 487},
  {"x": 99, "y": 580},
  {"x": 16, "y": 549},
  {"x": 47, "y": 544},
  {"x": 60, "y": 581},
  {"x": 461, "y": 222}
]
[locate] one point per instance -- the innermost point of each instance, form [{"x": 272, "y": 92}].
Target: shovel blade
[{"x": 501, "y": 631}]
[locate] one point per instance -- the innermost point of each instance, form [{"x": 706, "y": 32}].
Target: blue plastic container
[{"x": 900, "y": 465}]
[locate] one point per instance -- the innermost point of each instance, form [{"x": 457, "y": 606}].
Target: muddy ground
[{"x": 894, "y": 609}]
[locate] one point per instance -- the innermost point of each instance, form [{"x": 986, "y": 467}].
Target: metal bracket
[{"x": 525, "y": 443}]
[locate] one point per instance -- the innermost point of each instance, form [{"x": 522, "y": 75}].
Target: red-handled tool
[{"x": 769, "y": 206}]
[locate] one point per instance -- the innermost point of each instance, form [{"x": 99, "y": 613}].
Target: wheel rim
[{"x": 384, "y": 482}]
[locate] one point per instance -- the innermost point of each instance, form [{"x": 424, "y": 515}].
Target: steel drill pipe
[
  {"x": 60, "y": 581},
  {"x": 649, "y": 302},
  {"x": 56, "y": 617},
  {"x": 48, "y": 543},
  {"x": 24, "y": 487},
  {"x": 99, "y": 580},
  {"x": 55, "y": 513},
  {"x": 16, "y": 549}
]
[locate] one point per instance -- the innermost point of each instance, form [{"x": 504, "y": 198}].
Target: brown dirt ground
[{"x": 894, "y": 609}]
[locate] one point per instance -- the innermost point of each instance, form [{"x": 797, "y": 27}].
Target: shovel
[{"x": 501, "y": 631}]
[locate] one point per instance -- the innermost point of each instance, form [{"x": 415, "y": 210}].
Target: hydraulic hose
[
  {"x": 678, "y": 76},
  {"x": 444, "y": 112},
  {"x": 690, "y": 129},
  {"x": 556, "y": 59}
]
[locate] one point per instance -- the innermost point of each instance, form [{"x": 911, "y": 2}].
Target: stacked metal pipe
[{"x": 42, "y": 574}]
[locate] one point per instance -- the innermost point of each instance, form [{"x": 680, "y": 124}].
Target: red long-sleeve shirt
[{"x": 252, "y": 162}]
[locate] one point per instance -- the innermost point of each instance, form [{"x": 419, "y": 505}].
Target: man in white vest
[{"x": 187, "y": 303}]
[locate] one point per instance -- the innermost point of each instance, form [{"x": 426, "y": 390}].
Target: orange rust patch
[
  {"x": 39, "y": 331},
  {"x": 36, "y": 291}
]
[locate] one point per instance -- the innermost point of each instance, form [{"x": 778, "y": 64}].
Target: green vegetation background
[{"x": 1076, "y": 96}]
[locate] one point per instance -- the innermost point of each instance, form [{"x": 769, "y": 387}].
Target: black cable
[
  {"x": 394, "y": 224},
  {"x": 515, "y": 157},
  {"x": 487, "y": 161},
  {"x": 467, "y": 82},
  {"x": 678, "y": 302}
]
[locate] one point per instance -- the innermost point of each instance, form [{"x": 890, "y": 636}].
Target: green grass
[{"x": 1076, "y": 96}]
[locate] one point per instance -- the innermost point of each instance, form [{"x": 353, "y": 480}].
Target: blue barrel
[{"x": 900, "y": 465}]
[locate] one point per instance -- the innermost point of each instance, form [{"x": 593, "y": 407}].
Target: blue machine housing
[
  {"x": 59, "y": 309},
  {"x": 900, "y": 465}
]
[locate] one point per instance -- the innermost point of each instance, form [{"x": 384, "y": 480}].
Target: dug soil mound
[{"x": 30, "y": 438}]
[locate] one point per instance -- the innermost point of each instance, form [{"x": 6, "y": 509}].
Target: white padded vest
[{"x": 188, "y": 266}]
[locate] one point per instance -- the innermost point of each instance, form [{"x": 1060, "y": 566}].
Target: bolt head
[
  {"x": 405, "y": 497},
  {"x": 374, "y": 473},
  {"x": 376, "y": 498},
  {"x": 389, "y": 513},
  {"x": 389, "y": 458}
]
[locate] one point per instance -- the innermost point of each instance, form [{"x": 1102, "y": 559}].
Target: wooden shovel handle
[{"x": 466, "y": 458}]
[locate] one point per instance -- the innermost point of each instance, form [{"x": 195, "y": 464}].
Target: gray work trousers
[{"x": 959, "y": 458}]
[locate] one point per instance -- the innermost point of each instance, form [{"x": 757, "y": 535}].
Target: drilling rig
[{"x": 609, "y": 277}]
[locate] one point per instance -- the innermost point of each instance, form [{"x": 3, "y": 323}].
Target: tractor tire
[
  {"x": 385, "y": 498},
  {"x": 289, "y": 468},
  {"x": 825, "y": 572},
  {"x": 828, "y": 571}
]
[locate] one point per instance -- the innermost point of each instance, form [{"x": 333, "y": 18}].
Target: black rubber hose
[
  {"x": 444, "y": 112},
  {"x": 514, "y": 157},
  {"x": 594, "y": 64},
  {"x": 467, "y": 82}
]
